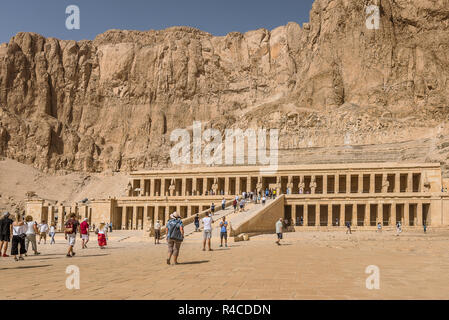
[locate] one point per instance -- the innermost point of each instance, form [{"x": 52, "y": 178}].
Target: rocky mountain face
[{"x": 336, "y": 90}]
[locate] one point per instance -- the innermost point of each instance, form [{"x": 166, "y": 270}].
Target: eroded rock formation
[{"x": 330, "y": 84}]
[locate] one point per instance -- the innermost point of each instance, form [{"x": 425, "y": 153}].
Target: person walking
[
  {"x": 207, "y": 231},
  {"x": 19, "y": 229},
  {"x": 84, "y": 233},
  {"x": 212, "y": 208},
  {"x": 102, "y": 235},
  {"x": 425, "y": 227},
  {"x": 43, "y": 229},
  {"x": 223, "y": 232},
  {"x": 242, "y": 205},
  {"x": 31, "y": 232},
  {"x": 71, "y": 226},
  {"x": 197, "y": 222},
  {"x": 234, "y": 204},
  {"x": 348, "y": 228},
  {"x": 5, "y": 233},
  {"x": 264, "y": 200},
  {"x": 278, "y": 226},
  {"x": 175, "y": 235},
  {"x": 379, "y": 227},
  {"x": 52, "y": 233},
  {"x": 157, "y": 232},
  {"x": 110, "y": 226},
  {"x": 223, "y": 204},
  {"x": 398, "y": 228}
]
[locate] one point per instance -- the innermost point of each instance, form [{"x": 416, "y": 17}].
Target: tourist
[
  {"x": 398, "y": 228},
  {"x": 279, "y": 231},
  {"x": 302, "y": 221},
  {"x": 31, "y": 234},
  {"x": 297, "y": 221},
  {"x": 234, "y": 204},
  {"x": 336, "y": 221},
  {"x": 223, "y": 204},
  {"x": 5, "y": 233},
  {"x": 425, "y": 227},
  {"x": 348, "y": 228},
  {"x": 224, "y": 232},
  {"x": 197, "y": 222},
  {"x": 110, "y": 226},
  {"x": 52, "y": 233},
  {"x": 379, "y": 227},
  {"x": 71, "y": 226},
  {"x": 175, "y": 236},
  {"x": 207, "y": 231},
  {"x": 157, "y": 231},
  {"x": 102, "y": 235},
  {"x": 274, "y": 194},
  {"x": 43, "y": 229},
  {"x": 18, "y": 238},
  {"x": 212, "y": 209},
  {"x": 242, "y": 205},
  {"x": 84, "y": 233}
]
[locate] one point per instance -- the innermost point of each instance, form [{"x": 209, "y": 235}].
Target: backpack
[
  {"x": 69, "y": 227},
  {"x": 175, "y": 232}
]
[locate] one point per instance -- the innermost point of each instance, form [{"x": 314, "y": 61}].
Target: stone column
[
  {"x": 162, "y": 187},
  {"x": 51, "y": 215},
  {"x": 134, "y": 225},
  {"x": 410, "y": 182},
  {"x": 317, "y": 215},
  {"x": 393, "y": 209},
  {"x": 306, "y": 215},
  {"x": 294, "y": 213},
  {"x": 372, "y": 183},
  {"x": 380, "y": 213},
  {"x": 419, "y": 217},
  {"x": 152, "y": 192},
  {"x": 337, "y": 183},
  {"x": 189, "y": 211},
  {"x": 124, "y": 214},
  {"x": 348, "y": 183},
  {"x": 406, "y": 214},
  {"x": 183, "y": 187},
  {"x": 145, "y": 218},
  {"x": 237, "y": 185},
  {"x": 354, "y": 215},
  {"x": 397, "y": 182},
  {"x": 342, "y": 214},
  {"x": 205, "y": 186},
  {"x": 325, "y": 184},
  {"x": 194, "y": 186},
  {"x": 329, "y": 215},
  {"x": 226, "y": 186},
  {"x": 366, "y": 221},
  {"x": 360, "y": 183},
  {"x": 248, "y": 184},
  {"x": 61, "y": 218},
  {"x": 166, "y": 214},
  {"x": 142, "y": 187}
]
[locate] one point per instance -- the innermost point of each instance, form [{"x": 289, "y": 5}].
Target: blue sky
[{"x": 218, "y": 17}]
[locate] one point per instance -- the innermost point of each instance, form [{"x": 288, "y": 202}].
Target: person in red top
[{"x": 84, "y": 232}]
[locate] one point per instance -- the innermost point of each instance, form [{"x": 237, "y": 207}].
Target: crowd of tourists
[{"x": 21, "y": 231}]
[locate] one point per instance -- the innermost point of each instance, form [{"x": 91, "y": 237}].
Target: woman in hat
[{"x": 102, "y": 235}]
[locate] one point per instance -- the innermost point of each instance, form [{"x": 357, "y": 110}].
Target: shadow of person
[
  {"x": 28, "y": 267},
  {"x": 194, "y": 262}
]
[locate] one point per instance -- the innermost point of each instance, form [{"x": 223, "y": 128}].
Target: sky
[{"x": 218, "y": 17}]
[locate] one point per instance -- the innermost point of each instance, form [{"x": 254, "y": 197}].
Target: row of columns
[
  {"x": 354, "y": 222},
  {"x": 312, "y": 184}
]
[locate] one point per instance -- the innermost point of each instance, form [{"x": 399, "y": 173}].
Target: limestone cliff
[{"x": 336, "y": 90}]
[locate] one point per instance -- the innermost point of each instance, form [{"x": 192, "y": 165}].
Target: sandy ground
[
  {"x": 308, "y": 265},
  {"x": 16, "y": 179}
]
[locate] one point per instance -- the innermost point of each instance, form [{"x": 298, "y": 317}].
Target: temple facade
[{"x": 314, "y": 195}]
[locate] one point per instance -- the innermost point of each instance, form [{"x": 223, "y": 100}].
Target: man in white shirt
[
  {"x": 43, "y": 228},
  {"x": 207, "y": 231},
  {"x": 279, "y": 231}
]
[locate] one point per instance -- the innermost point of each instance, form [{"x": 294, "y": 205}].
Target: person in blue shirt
[
  {"x": 224, "y": 232},
  {"x": 175, "y": 235}
]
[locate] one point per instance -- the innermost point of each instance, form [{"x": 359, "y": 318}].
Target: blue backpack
[{"x": 174, "y": 230}]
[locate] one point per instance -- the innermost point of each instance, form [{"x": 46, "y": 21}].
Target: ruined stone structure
[{"x": 314, "y": 195}]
